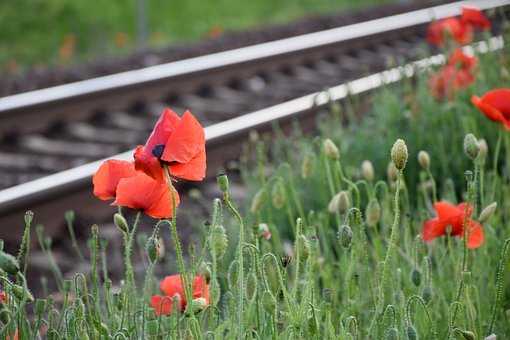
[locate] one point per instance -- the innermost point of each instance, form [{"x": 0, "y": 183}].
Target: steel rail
[
  {"x": 69, "y": 180},
  {"x": 44, "y": 97}
]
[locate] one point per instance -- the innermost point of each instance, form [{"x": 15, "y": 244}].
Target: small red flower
[
  {"x": 177, "y": 141},
  {"x": 3, "y": 297},
  {"x": 474, "y": 17},
  {"x": 172, "y": 287},
  {"x": 453, "y": 28},
  {"x": 453, "y": 216},
  {"x": 495, "y": 104},
  {"x": 108, "y": 175}
]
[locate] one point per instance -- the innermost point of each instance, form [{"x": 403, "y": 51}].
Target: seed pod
[
  {"x": 345, "y": 236},
  {"x": 8, "y": 263},
  {"x": 373, "y": 212},
  {"x": 268, "y": 302},
  {"x": 367, "y": 170},
  {"x": 399, "y": 154},
  {"x": 278, "y": 195},
  {"x": 330, "y": 149},
  {"x": 487, "y": 212},
  {"x": 416, "y": 277},
  {"x": 120, "y": 222},
  {"x": 257, "y": 201},
  {"x": 391, "y": 334},
  {"x": 391, "y": 172},
  {"x": 424, "y": 159},
  {"x": 219, "y": 240},
  {"x": 471, "y": 146},
  {"x": 412, "y": 334},
  {"x": 307, "y": 165},
  {"x": 222, "y": 181}
]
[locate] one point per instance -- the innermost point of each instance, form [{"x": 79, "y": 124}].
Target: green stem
[
  {"x": 499, "y": 285},
  {"x": 495, "y": 163}
]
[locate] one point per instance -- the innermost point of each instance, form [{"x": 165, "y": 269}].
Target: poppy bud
[
  {"x": 412, "y": 334},
  {"x": 307, "y": 165},
  {"x": 304, "y": 246},
  {"x": 219, "y": 240},
  {"x": 391, "y": 334},
  {"x": 426, "y": 294},
  {"x": 21, "y": 293},
  {"x": 330, "y": 149},
  {"x": 416, "y": 277},
  {"x": 263, "y": 231},
  {"x": 391, "y": 172},
  {"x": 483, "y": 147},
  {"x": 340, "y": 203},
  {"x": 373, "y": 212},
  {"x": 268, "y": 302},
  {"x": 471, "y": 146},
  {"x": 278, "y": 195},
  {"x": 120, "y": 222},
  {"x": 257, "y": 201},
  {"x": 8, "y": 263},
  {"x": 222, "y": 180},
  {"x": 152, "y": 248},
  {"x": 468, "y": 335},
  {"x": 198, "y": 304},
  {"x": 487, "y": 212},
  {"x": 345, "y": 236},
  {"x": 29, "y": 216},
  {"x": 367, "y": 170},
  {"x": 399, "y": 154},
  {"x": 424, "y": 159}
]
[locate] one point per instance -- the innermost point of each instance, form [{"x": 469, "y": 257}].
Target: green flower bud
[
  {"x": 367, "y": 170},
  {"x": 198, "y": 304},
  {"x": 340, "y": 203},
  {"x": 424, "y": 159},
  {"x": 468, "y": 335},
  {"x": 307, "y": 165},
  {"x": 40, "y": 306},
  {"x": 412, "y": 334},
  {"x": 29, "y": 216},
  {"x": 278, "y": 195},
  {"x": 120, "y": 222},
  {"x": 258, "y": 201},
  {"x": 205, "y": 271},
  {"x": 223, "y": 184},
  {"x": 21, "y": 293},
  {"x": 345, "y": 236},
  {"x": 8, "y": 263},
  {"x": 416, "y": 277},
  {"x": 487, "y": 212},
  {"x": 471, "y": 146},
  {"x": 391, "y": 334},
  {"x": 426, "y": 294},
  {"x": 484, "y": 149},
  {"x": 399, "y": 154},
  {"x": 303, "y": 245},
  {"x": 152, "y": 248},
  {"x": 330, "y": 149},
  {"x": 219, "y": 240},
  {"x": 373, "y": 213}
]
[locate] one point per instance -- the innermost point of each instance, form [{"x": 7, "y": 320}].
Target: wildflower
[
  {"x": 172, "y": 287},
  {"x": 450, "y": 28},
  {"x": 457, "y": 74},
  {"x": 453, "y": 216},
  {"x": 474, "y": 17},
  {"x": 495, "y": 104},
  {"x": 178, "y": 142},
  {"x": 107, "y": 178}
]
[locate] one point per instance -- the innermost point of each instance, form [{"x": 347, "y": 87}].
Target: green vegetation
[{"x": 59, "y": 31}]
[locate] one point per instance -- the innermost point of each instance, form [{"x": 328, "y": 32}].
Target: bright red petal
[
  {"x": 432, "y": 228},
  {"x": 108, "y": 175},
  {"x": 172, "y": 285},
  {"x": 447, "y": 212},
  {"x": 499, "y": 99},
  {"x": 165, "y": 126},
  {"x": 475, "y": 235},
  {"x": 148, "y": 163},
  {"x": 201, "y": 288},
  {"x": 162, "y": 304},
  {"x": 194, "y": 170},
  {"x": 145, "y": 193},
  {"x": 473, "y": 16},
  {"x": 186, "y": 141},
  {"x": 462, "y": 61}
]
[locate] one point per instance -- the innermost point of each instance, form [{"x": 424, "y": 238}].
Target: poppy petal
[
  {"x": 172, "y": 285},
  {"x": 499, "y": 99},
  {"x": 162, "y": 304},
  {"x": 490, "y": 111},
  {"x": 186, "y": 141},
  {"x": 145, "y": 193},
  {"x": 148, "y": 163},
  {"x": 447, "y": 212},
  {"x": 432, "y": 228},
  {"x": 201, "y": 288},
  {"x": 194, "y": 170},
  {"x": 475, "y": 235},
  {"x": 163, "y": 128},
  {"x": 108, "y": 175},
  {"x": 473, "y": 16}
]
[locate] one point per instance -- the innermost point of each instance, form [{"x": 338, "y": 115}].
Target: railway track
[{"x": 53, "y": 138}]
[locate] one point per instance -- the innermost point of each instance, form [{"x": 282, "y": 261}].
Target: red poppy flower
[
  {"x": 108, "y": 175},
  {"x": 474, "y": 17},
  {"x": 495, "y": 104},
  {"x": 454, "y": 28},
  {"x": 177, "y": 141},
  {"x": 172, "y": 287},
  {"x": 143, "y": 192},
  {"x": 453, "y": 216},
  {"x": 462, "y": 61},
  {"x": 3, "y": 297}
]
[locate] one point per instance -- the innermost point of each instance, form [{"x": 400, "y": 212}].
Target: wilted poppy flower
[
  {"x": 439, "y": 31},
  {"x": 495, "y": 104},
  {"x": 178, "y": 142},
  {"x": 453, "y": 217},
  {"x": 172, "y": 287},
  {"x": 108, "y": 175},
  {"x": 474, "y": 17}
]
